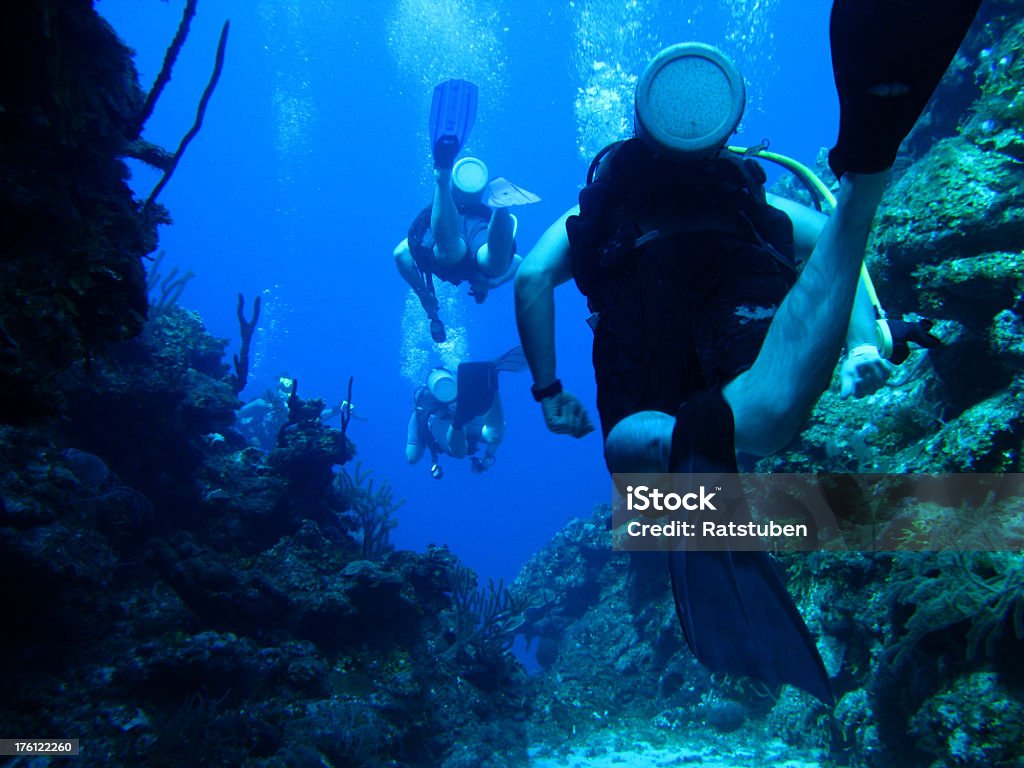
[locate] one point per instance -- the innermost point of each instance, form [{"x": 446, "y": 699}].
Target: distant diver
[
  {"x": 468, "y": 233},
  {"x": 708, "y": 343},
  {"x": 457, "y": 414}
]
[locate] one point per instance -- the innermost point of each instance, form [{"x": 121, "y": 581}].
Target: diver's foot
[
  {"x": 437, "y": 331},
  {"x": 445, "y": 150},
  {"x": 888, "y": 56}
]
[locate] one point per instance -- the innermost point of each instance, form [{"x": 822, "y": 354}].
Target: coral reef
[
  {"x": 198, "y": 586},
  {"x": 72, "y": 278},
  {"x": 219, "y": 604}
]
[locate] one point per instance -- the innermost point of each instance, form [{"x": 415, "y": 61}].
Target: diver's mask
[
  {"x": 689, "y": 101},
  {"x": 442, "y": 385},
  {"x": 436, "y": 471},
  {"x": 469, "y": 180}
]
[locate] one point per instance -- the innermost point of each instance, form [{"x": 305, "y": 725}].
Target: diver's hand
[
  {"x": 479, "y": 292},
  {"x": 565, "y": 415},
  {"x": 864, "y": 372},
  {"x": 480, "y": 464}
]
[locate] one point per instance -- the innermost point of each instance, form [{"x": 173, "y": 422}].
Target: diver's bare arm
[
  {"x": 862, "y": 329},
  {"x": 545, "y": 267},
  {"x": 807, "y": 224}
]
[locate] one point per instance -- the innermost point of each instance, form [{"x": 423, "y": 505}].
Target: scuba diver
[
  {"x": 708, "y": 342},
  {"x": 456, "y": 414},
  {"x": 260, "y": 420},
  {"x": 468, "y": 233}
]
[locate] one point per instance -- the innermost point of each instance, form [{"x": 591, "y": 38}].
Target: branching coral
[
  {"x": 984, "y": 589},
  {"x": 373, "y": 510},
  {"x": 487, "y": 616},
  {"x": 246, "y": 329},
  {"x": 164, "y": 290}
]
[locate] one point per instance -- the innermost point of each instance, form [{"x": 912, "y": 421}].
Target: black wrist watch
[{"x": 552, "y": 389}]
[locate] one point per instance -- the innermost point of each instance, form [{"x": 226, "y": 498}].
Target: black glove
[{"x": 903, "y": 333}]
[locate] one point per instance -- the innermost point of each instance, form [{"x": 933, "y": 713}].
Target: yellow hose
[{"x": 810, "y": 178}]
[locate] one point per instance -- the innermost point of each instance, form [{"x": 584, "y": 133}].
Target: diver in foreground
[{"x": 706, "y": 342}]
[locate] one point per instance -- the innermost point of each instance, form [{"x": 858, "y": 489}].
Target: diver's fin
[
  {"x": 477, "y": 386},
  {"x": 452, "y": 113},
  {"x": 502, "y": 193},
  {"x": 739, "y": 619},
  {"x": 888, "y": 56},
  {"x": 733, "y": 606},
  {"x": 512, "y": 361}
]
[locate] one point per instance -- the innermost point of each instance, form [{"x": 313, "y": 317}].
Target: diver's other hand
[
  {"x": 479, "y": 292},
  {"x": 904, "y": 333},
  {"x": 565, "y": 415},
  {"x": 863, "y": 372},
  {"x": 480, "y": 464}
]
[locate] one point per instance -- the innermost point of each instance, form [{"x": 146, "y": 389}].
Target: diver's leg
[
  {"x": 414, "y": 441},
  {"x": 888, "y": 57},
  {"x": 411, "y": 274},
  {"x": 444, "y": 221},
  {"x": 771, "y": 400},
  {"x": 494, "y": 257},
  {"x": 458, "y": 442},
  {"x": 493, "y": 430}
]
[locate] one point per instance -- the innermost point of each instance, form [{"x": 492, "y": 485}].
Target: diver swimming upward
[
  {"x": 467, "y": 234},
  {"x": 708, "y": 341}
]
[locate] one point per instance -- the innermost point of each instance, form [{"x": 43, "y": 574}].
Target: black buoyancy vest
[
  {"x": 639, "y": 201},
  {"x": 421, "y": 245}
]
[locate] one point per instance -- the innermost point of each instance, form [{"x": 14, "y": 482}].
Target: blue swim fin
[
  {"x": 733, "y": 606},
  {"x": 452, "y": 113}
]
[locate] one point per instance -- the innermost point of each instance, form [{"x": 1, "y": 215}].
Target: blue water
[{"x": 313, "y": 159}]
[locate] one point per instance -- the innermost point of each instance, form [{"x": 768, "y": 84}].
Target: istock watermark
[
  {"x": 803, "y": 512},
  {"x": 642, "y": 498}
]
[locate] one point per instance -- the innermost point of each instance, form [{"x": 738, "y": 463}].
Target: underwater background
[
  {"x": 314, "y": 159},
  {"x": 178, "y": 597}
]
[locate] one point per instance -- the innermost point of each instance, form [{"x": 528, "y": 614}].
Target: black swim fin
[
  {"x": 477, "y": 386},
  {"x": 739, "y": 619},
  {"x": 734, "y": 609},
  {"x": 452, "y": 113},
  {"x": 888, "y": 56}
]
